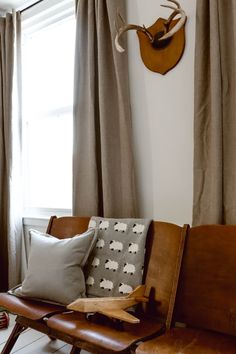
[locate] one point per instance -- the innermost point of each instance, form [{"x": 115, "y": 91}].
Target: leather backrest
[
  {"x": 165, "y": 245},
  {"x": 206, "y": 294},
  {"x": 67, "y": 226}
]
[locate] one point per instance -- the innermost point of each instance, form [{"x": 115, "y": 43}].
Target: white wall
[{"x": 162, "y": 110}]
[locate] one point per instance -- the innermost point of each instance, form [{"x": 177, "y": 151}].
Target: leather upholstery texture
[
  {"x": 164, "y": 247},
  {"x": 103, "y": 333},
  {"x": 206, "y": 296},
  {"x": 189, "y": 341},
  {"x": 34, "y": 310},
  {"x": 163, "y": 252},
  {"x": 67, "y": 226}
]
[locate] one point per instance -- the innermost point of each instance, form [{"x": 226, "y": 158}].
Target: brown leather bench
[
  {"x": 206, "y": 296},
  {"x": 165, "y": 243}
]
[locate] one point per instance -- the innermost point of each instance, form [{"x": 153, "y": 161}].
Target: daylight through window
[{"x": 47, "y": 79}]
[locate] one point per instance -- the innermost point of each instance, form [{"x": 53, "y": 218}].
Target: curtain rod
[{"x": 32, "y": 5}]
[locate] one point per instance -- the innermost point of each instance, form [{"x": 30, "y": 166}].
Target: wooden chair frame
[{"x": 162, "y": 238}]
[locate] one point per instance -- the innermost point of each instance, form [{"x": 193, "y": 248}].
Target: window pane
[
  {"x": 49, "y": 162},
  {"x": 47, "y": 61}
]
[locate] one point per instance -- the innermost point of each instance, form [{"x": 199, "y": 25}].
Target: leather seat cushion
[
  {"x": 33, "y": 310},
  {"x": 189, "y": 341},
  {"x": 102, "y": 332}
]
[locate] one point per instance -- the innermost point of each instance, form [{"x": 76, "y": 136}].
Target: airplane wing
[{"x": 120, "y": 315}]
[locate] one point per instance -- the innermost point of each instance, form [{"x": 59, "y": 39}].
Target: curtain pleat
[
  {"x": 16, "y": 184},
  {"x": 215, "y": 114},
  {"x": 6, "y": 82},
  {"x": 10, "y": 231},
  {"x": 103, "y": 167}
]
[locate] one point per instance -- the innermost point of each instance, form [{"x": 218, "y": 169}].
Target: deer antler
[
  {"x": 124, "y": 28},
  {"x": 169, "y": 33},
  {"x": 179, "y": 24}
]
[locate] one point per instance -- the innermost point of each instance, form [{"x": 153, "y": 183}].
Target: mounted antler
[
  {"x": 124, "y": 28},
  {"x": 161, "y": 37},
  {"x": 179, "y": 24}
]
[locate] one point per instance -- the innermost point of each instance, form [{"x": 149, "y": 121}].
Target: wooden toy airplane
[{"x": 112, "y": 306}]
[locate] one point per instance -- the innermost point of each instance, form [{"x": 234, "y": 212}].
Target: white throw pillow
[{"x": 55, "y": 267}]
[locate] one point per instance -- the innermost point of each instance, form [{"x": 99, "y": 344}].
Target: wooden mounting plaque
[{"x": 161, "y": 60}]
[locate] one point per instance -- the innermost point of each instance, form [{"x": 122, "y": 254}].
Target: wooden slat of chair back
[
  {"x": 67, "y": 226},
  {"x": 206, "y": 294},
  {"x": 165, "y": 244}
]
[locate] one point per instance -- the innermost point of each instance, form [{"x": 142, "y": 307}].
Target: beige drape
[
  {"x": 103, "y": 161},
  {"x": 10, "y": 224},
  {"x": 6, "y": 67},
  {"x": 215, "y": 113}
]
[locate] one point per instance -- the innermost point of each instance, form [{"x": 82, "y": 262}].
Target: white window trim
[
  {"x": 44, "y": 213},
  {"x": 34, "y": 222}
]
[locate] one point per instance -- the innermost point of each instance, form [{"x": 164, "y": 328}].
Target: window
[{"x": 47, "y": 99}]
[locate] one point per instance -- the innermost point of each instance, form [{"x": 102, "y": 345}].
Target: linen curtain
[
  {"x": 215, "y": 113},
  {"x": 103, "y": 167},
  {"x": 10, "y": 221}
]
